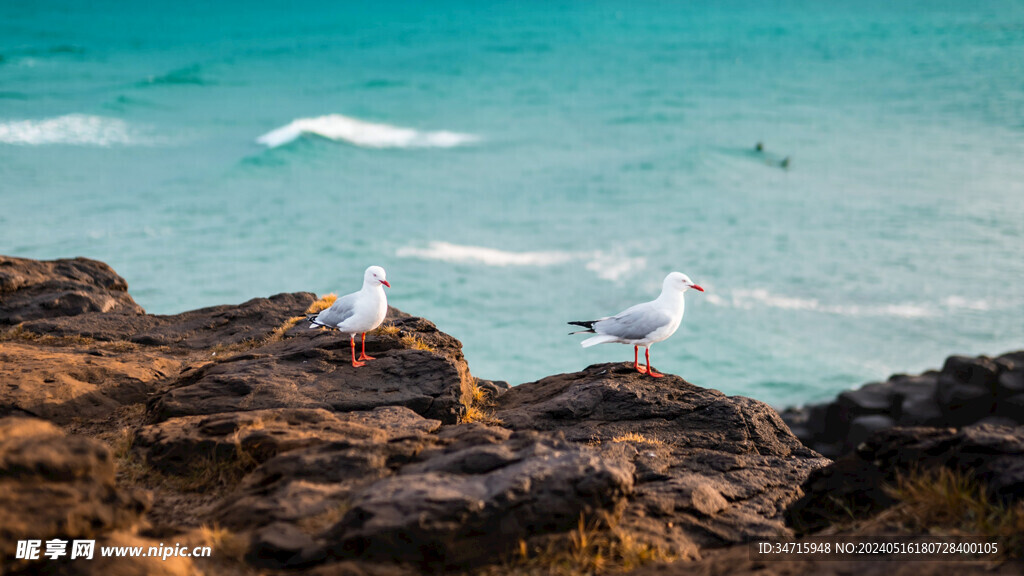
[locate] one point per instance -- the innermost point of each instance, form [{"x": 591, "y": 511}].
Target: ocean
[{"x": 516, "y": 165}]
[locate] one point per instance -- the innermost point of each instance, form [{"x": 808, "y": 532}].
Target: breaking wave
[
  {"x": 363, "y": 134},
  {"x": 75, "y": 129}
]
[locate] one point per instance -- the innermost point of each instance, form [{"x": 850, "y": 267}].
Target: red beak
[
  {"x": 385, "y": 282},
  {"x": 695, "y": 287}
]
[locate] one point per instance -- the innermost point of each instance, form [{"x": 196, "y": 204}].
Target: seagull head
[
  {"x": 374, "y": 276},
  {"x": 679, "y": 281}
]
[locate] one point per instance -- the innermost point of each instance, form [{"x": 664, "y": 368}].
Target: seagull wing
[
  {"x": 634, "y": 323},
  {"x": 342, "y": 309}
]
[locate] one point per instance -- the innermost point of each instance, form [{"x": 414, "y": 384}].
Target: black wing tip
[{"x": 588, "y": 324}]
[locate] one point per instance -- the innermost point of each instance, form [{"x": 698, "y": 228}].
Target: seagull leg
[
  {"x": 352, "y": 340},
  {"x": 636, "y": 360},
  {"x": 650, "y": 369},
  {"x": 362, "y": 355}
]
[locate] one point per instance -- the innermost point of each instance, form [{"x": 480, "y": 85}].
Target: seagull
[
  {"x": 643, "y": 324},
  {"x": 357, "y": 312}
]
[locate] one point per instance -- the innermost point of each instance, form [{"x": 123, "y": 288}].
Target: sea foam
[
  {"x": 748, "y": 299},
  {"x": 363, "y": 134},
  {"x": 608, "y": 266},
  {"x": 479, "y": 255},
  {"x": 75, "y": 129}
]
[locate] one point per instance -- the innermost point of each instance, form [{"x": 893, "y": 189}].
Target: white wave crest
[
  {"x": 364, "y": 134},
  {"x": 745, "y": 299},
  {"x": 477, "y": 254},
  {"x": 75, "y": 129},
  {"x": 608, "y": 266}
]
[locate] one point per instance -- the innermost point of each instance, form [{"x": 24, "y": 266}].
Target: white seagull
[
  {"x": 357, "y": 312},
  {"x": 643, "y": 324}
]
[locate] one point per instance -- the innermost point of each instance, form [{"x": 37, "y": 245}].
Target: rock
[
  {"x": 980, "y": 372},
  {"x": 214, "y": 327},
  {"x": 854, "y": 486},
  {"x": 31, "y": 289},
  {"x": 687, "y": 443},
  {"x": 311, "y": 369},
  {"x": 281, "y": 545},
  {"x": 492, "y": 388},
  {"x": 1012, "y": 408},
  {"x": 963, "y": 404},
  {"x": 965, "y": 392},
  {"x": 61, "y": 383},
  {"x": 475, "y": 504},
  {"x": 864, "y": 426},
  {"x": 1010, "y": 383},
  {"x": 321, "y": 459},
  {"x": 176, "y": 444},
  {"x": 52, "y": 485}
]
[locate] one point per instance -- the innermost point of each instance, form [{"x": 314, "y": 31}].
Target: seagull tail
[
  {"x": 599, "y": 339},
  {"x": 312, "y": 321},
  {"x": 588, "y": 324}
]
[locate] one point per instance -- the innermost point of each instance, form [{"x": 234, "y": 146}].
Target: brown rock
[
  {"x": 63, "y": 383},
  {"x": 471, "y": 505},
  {"x": 311, "y": 369},
  {"x": 693, "y": 443},
  {"x": 855, "y": 484},
  {"x": 52, "y": 485},
  {"x": 205, "y": 328},
  {"x": 32, "y": 289}
]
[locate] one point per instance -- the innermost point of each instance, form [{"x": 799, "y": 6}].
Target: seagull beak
[
  {"x": 695, "y": 287},
  {"x": 385, "y": 282}
]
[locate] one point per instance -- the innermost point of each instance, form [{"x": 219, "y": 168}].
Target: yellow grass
[
  {"x": 415, "y": 343},
  {"x": 637, "y": 438},
  {"x": 223, "y": 542},
  {"x": 955, "y": 503},
  {"x": 595, "y": 547},
  {"x": 322, "y": 304},
  {"x": 387, "y": 329}
]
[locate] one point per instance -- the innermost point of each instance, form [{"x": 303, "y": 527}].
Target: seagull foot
[
  {"x": 357, "y": 364},
  {"x": 366, "y": 357},
  {"x": 653, "y": 374}
]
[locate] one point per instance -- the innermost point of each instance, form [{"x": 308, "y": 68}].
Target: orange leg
[
  {"x": 362, "y": 355},
  {"x": 636, "y": 360},
  {"x": 352, "y": 340},
  {"x": 650, "y": 369}
]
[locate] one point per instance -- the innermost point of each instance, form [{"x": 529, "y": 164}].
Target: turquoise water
[{"x": 586, "y": 149}]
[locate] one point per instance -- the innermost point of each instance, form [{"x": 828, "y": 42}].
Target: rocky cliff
[{"x": 236, "y": 427}]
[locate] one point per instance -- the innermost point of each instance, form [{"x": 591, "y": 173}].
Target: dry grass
[
  {"x": 483, "y": 415},
  {"x": 19, "y": 334},
  {"x": 208, "y": 472},
  {"x": 595, "y": 547},
  {"x": 223, "y": 542},
  {"x": 479, "y": 409},
  {"x": 414, "y": 343},
  {"x": 955, "y": 504},
  {"x": 387, "y": 329},
  {"x": 278, "y": 333},
  {"x": 322, "y": 304},
  {"x": 636, "y": 438}
]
